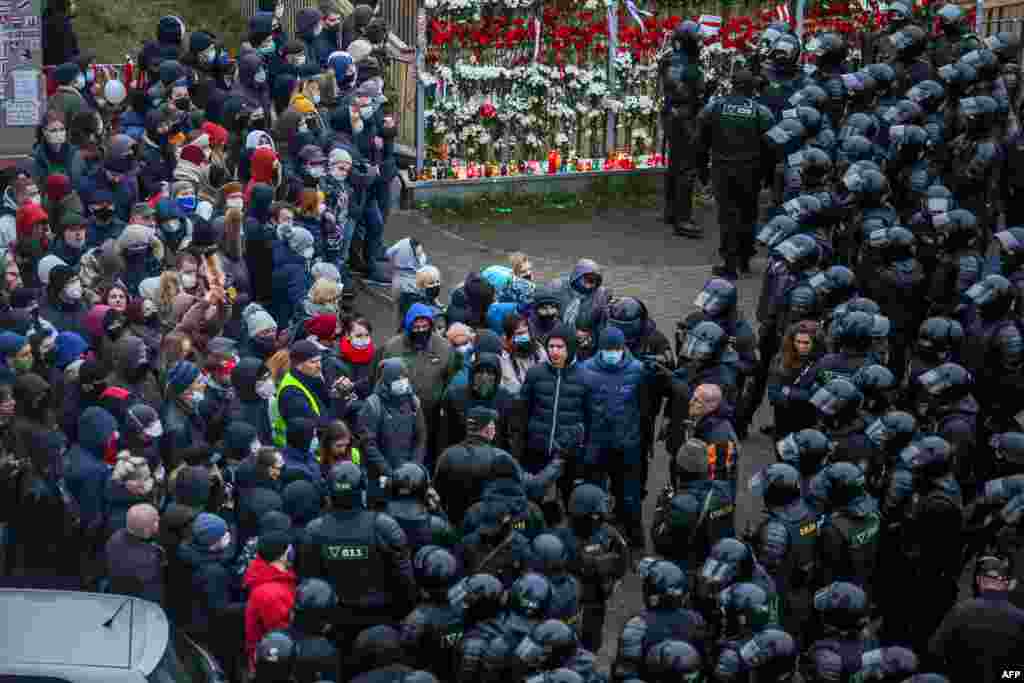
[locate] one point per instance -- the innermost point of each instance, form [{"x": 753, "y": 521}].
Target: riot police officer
[
  {"x": 959, "y": 263},
  {"x": 670, "y": 661},
  {"x": 842, "y": 611},
  {"x": 274, "y": 657},
  {"x": 782, "y": 73},
  {"x": 551, "y": 558},
  {"x": 850, "y": 530},
  {"x": 770, "y": 655},
  {"x": 931, "y": 543},
  {"x": 839, "y": 415},
  {"x": 696, "y": 510},
  {"x": 432, "y": 631},
  {"x": 730, "y": 562},
  {"x": 316, "y": 658},
  {"x": 481, "y": 599},
  {"x": 938, "y": 341},
  {"x": 807, "y": 451},
  {"x": 364, "y": 555},
  {"x": 416, "y": 508},
  {"x": 683, "y": 82},
  {"x": 946, "y": 407},
  {"x": 598, "y": 555},
  {"x": 787, "y": 543},
  {"x": 731, "y": 130},
  {"x": 496, "y": 546},
  {"x": 552, "y": 645},
  {"x": 665, "y": 617},
  {"x": 973, "y": 160},
  {"x": 956, "y": 39},
  {"x": 529, "y": 601},
  {"x": 878, "y": 45}
]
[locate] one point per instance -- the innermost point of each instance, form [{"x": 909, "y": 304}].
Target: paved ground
[{"x": 640, "y": 258}]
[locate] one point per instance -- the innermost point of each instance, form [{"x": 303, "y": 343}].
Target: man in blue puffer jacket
[{"x": 618, "y": 385}]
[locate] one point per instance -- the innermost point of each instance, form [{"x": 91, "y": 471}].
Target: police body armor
[
  {"x": 598, "y": 562},
  {"x": 861, "y": 538},
  {"x": 835, "y": 661},
  {"x": 801, "y": 565},
  {"x": 674, "y": 624},
  {"x": 351, "y": 560},
  {"x": 916, "y": 521},
  {"x": 439, "y": 643}
]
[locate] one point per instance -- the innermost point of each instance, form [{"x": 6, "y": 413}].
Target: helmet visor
[
  {"x": 934, "y": 382},
  {"x": 788, "y": 449},
  {"x": 530, "y": 653},
  {"x": 900, "y": 40},
  {"x": 697, "y": 348},
  {"x": 877, "y": 433},
  {"x": 788, "y": 251},
  {"x": 938, "y": 204},
  {"x": 980, "y": 293},
  {"x": 770, "y": 235},
  {"x": 778, "y": 136},
  {"x": 827, "y": 403},
  {"x": 717, "y": 574}
]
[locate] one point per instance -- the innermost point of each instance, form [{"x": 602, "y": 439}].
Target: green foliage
[{"x": 116, "y": 29}]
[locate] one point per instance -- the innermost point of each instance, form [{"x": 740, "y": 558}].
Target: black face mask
[
  {"x": 104, "y": 213},
  {"x": 183, "y": 104},
  {"x": 432, "y": 292},
  {"x": 420, "y": 339}
]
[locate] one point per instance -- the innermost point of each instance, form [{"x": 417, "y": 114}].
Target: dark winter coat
[
  {"x": 86, "y": 474},
  {"x": 554, "y": 400},
  {"x": 135, "y": 566}
]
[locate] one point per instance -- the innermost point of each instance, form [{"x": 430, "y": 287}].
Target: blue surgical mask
[
  {"x": 611, "y": 357},
  {"x": 465, "y": 349},
  {"x": 521, "y": 339},
  {"x": 187, "y": 204},
  {"x": 196, "y": 398},
  {"x": 400, "y": 387},
  {"x": 314, "y": 445}
]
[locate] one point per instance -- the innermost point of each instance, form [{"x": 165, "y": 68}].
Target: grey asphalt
[{"x": 640, "y": 257}]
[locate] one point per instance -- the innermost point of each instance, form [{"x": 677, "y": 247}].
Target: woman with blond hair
[{"x": 427, "y": 291}]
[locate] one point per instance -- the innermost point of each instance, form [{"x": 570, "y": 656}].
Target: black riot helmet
[
  {"x": 410, "y": 481},
  {"x": 630, "y": 316},
  {"x": 313, "y": 609},
  {"x": 978, "y": 114},
  {"x": 813, "y": 96},
  {"x": 785, "y": 52},
  {"x": 899, "y": 14},
  {"x": 419, "y": 676},
  {"x": 560, "y": 676},
  {"x": 892, "y": 431},
  {"x": 958, "y": 77},
  {"x": 800, "y": 252},
  {"x": 877, "y": 383},
  {"x": 588, "y": 500},
  {"x": 830, "y": 51},
  {"x": 929, "y": 95},
  {"x": 841, "y": 607},
  {"x": 838, "y": 402},
  {"x": 854, "y": 331},
  {"x": 928, "y": 458},
  {"x": 705, "y": 342},
  {"x": 550, "y": 644},
  {"x": 805, "y": 450},
  {"x": 945, "y": 384},
  {"x": 904, "y": 112},
  {"x": 888, "y": 664},
  {"x": 664, "y": 584},
  {"x": 745, "y": 609},
  {"x": 994, "y": 296},
  {"x": 852, "y": 149},
  {"x": 481, "y": 597},
  {"x": 1011, "y": 249},
  {"x": 1008, "y": 453},
  {"x": 435, "y": 569},
  {"x": 859, "y": 123},
  {"x": 684, "y": 514},
  {"x": 907, "y": 143},
  {"x": 861, "y": 86},
  {"x": 939, "y": 339},
  {"x": 346, "y": 483},
  {"x": 672, "y": 660},
  {"x": 1005, "y": 44},
  {"x": 786, "y": 134},
  {"x": 804, "y": 209},
  {"x": 770, "y": 656},
  {"x": 778, "y": 230},
  {"x": 551, "y": 554},
  {"x": 717, "y": 299},
  {"x": 869, "y": 187},
  {"x": 938, "y": 200},
  {"x": 834, "y": 285},
  {"x": 275, "y": 657},
  {"x": 845, "y": 484},
  {"x": 894, "y": 244},
  {"x": 778, "y": 484},
  {"x": 885, "y": 78},
  {"x": 730, "y": 561},
  {"x": 530, "y": 596},
  {"x": 809, "y": 116},
  {"x": 769, "y": 35},
  {"x": 910, "y": 42},
  {"x": 957, "y": 229},
  {"x": 951, "y": 20},
  {"x": 815, "y": 167},
  {"x": 686, "y": 37},
  {"x": 985, "y": 63}
]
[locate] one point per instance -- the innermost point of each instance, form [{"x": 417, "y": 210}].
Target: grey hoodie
[{"x": 391, "y": 427}]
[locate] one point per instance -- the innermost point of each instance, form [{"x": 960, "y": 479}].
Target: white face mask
[
  {"x": 316, "y": 99},
  {"x": 36, "y": 198},
  {"x": 260, "y": 77},
  {"x": 79, "y": 82},
  {"x": 188, "y": 280},
  {"x": 360, "y": 342},
  {"x": 366, "y": 112},
  {"x": 235, "y": 203},
  {"x": 56, "y": 137},
  {"x": 172, "y": 226},
  {"x": 265, "y": 388},
  {"x": 255, "y": 447},
  {"x": 279, "y": 11},
  {"x": 400, "y": 387},
  {"x": 339, "y": 173}
]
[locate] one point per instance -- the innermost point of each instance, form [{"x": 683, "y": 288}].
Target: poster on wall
[{"x": 21, "y": 44}]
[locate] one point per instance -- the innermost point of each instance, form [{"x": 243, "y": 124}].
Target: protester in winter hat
[
  {"x": 262, "y": 331},
  {"x": 291, "y": 278}
]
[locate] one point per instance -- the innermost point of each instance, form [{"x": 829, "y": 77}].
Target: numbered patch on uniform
[{"x": 347, "y": 552}]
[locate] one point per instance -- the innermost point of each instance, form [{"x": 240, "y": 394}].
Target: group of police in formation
[{"x": 891, "y": 347}]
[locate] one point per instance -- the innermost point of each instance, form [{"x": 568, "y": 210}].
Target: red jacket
[{"x": 271, "y": 596}]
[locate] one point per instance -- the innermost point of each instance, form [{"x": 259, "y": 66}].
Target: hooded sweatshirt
[
  {"x": 87, "y": 474},
  {"x": 577, "y": 300},
  {"x": 271, "y": 597}
]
